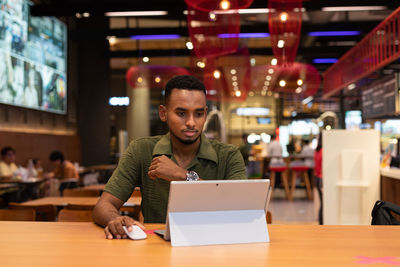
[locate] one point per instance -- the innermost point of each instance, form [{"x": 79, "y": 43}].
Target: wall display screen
[{"x": 33, "y": 59}]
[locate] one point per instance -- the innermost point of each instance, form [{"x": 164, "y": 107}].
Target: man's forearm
[{"x": 104, "y": 212}]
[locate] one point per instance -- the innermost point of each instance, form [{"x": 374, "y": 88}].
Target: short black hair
[
  {"x": 6, "y": 149},
  {"x": 56, "y": 155},
  {"x": 306, "y": 141},
  {"x": 186, "y": 82}
]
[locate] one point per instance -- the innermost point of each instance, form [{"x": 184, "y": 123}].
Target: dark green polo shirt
[{"x": 214, "y": 161}]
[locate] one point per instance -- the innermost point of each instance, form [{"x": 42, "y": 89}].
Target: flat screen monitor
[{"x": 33, "y": 59}]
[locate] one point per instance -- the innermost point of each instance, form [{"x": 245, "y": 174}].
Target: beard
[{"x": 185, "y": 141}]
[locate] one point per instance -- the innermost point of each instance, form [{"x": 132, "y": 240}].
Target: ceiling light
[
  {"x": 334, "y": 33},
  {"x": 244, "y": 11},
  {"x": 299, "y": 82},
  {"x": 268, "y": 78},
  {"x": 281, "y": 43},
  {"x": 298, "y": 90},
  {"x": 235, "y": 84},
  {"x": 189, "y": 45},
  {"x": 351, "y": 86},
  {"x": 284, "y": 16},
  {"x": 78, "y": 15},
  {"x": 135, "y": 13},
  {"x": 201, "y": 64},
  {"x": 251, "y": 93},
  {"x": 155, "y": 37},
  {"x": 282, "y": 83},
  {"x": 139, "y": 79},
  {"x": 212, "y": 16},
  {"x": 224, "y": 4},
  {"x": 233, "y": 71},
  {"x": 274, "y": 61},
  {"x": 112, "y": 40},
  {"x": 265, "y": 88},
  {"x": 146, "y": 59},
  {"x": 269, "y": 93},
  {"x": 217, "y": 74},
  {"x": 353, "y": 8},
  {"x": 324, "y": 60},
  {"x": 276, "y": 95},
  {"x": 266, "y": 83},
  {"x": 252, "y": 61},
  {"x": 157, "y": 79},
  {"x": 234, "y": 78},
  {"x": 263, "y": 93},
  {"x": 307, "y": 100},
  {"x": 86, "y": 14},
  {"x": 271, "y": 71},
  {"x": 238, "y": 93},
  {"x": 244, "y": 35}
]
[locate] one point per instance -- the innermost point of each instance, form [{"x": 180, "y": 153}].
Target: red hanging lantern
[
  {"x": 284, "y": 21},
  {"x": 213, "y": 34},
  {"x": 153, "y": 76},
  {"x": 295, "y": 79},
  {"x": 210, "y": 5}
]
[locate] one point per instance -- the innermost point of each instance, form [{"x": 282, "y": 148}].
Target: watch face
[{"x": 192, "y": 176}]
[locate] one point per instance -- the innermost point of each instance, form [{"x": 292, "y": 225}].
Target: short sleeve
[{"x": 125, "y": 178}]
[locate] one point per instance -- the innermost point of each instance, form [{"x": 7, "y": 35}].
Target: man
[
  {"x": 182, "y": 154},
  {"x": 275, "y": 151},
  {"x": 64, "y": 169},
  {"x": 7, "y": 163}
]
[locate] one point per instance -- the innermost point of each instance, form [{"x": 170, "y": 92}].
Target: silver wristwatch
[{"x": 192, "y": 176}]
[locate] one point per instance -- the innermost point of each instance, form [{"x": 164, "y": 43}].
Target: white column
[{"x": 138, "y": 113}]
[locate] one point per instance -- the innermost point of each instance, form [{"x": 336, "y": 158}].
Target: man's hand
[
  {"x": 164, "y": 168},
  {"x": 114, "y": 228}
]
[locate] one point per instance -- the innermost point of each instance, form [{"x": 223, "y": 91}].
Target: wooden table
[
  {"x": 8, "y": 186},
  {"x": 32, "y": 180},
  {"x": 64, "y": 201},
  {"x": 83, "y": 244}
]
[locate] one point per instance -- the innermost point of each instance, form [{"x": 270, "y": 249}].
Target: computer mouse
[{"x": 136, "y": 234}]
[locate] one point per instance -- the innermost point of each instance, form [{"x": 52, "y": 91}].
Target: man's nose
[{"x": 190, "y": 121}]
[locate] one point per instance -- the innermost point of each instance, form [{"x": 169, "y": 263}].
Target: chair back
[
  {"x": 17, "y": 215},
  {"x": 79, "y": 207},
  {"x": 43, "y": 212},
  {"x": 80, "y": 193},
  {"x": 66, "y": 215}
]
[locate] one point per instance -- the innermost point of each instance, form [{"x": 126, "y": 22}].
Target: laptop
[{"x": 217, "y": 212}]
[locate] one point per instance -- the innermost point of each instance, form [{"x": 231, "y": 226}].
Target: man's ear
[{"x": 162, "y": 112}]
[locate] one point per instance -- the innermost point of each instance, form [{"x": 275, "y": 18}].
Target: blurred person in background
[
  {"x": 64, "y": 169},
  {"x": 7, "y": 163},
  {"x": 318, "y": 174}
]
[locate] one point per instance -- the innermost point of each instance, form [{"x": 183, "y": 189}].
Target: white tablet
[{"x": 217, "y": 212}]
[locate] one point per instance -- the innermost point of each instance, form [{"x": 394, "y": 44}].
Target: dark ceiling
[{"x": 310, "y": 47}]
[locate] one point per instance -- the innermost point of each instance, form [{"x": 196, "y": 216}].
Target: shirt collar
[{"x": 206, "y": 151}]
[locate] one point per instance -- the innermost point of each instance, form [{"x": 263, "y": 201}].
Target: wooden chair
[
  {"x": 303, "y": 170},
  {"x": 283, "y": 170},
  {"x": 17, "y": 215},
  {"x": 80, "y": 193},
  {"x": 269, "y": 217},
  {"x": 66, "y": 215},
  {"x": 79, "y": 207},
  {"x": 43, "y": 212}
]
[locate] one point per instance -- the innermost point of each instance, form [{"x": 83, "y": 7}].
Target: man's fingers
[
  {"x": 107, "y": 233},
  {"x": 113, "y": 230}
]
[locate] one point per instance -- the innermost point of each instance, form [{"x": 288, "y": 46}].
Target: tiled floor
[{"x": 299, "y": 211}]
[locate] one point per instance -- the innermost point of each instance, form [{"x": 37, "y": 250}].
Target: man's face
[
  {"x": 9, "y": 157},
  {"x": 185, "y": 114}
]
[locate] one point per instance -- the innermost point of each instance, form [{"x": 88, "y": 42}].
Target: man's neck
[{"x": 184, "y": 153}]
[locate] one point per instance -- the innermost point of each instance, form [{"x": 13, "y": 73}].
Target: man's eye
[
  {"x": 200, "y": 114},
  {"x": 180, "y": 114}
]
